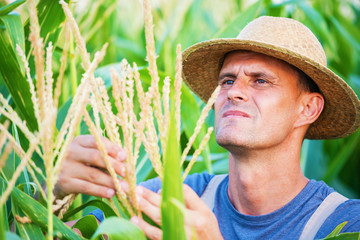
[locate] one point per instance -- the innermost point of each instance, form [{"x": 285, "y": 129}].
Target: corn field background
[{"x": 120, "y": 24}]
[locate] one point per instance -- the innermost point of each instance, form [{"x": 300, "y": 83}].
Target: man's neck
[{"x": 261, "y": 182}]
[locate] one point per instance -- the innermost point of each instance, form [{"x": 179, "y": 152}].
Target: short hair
[{"x": 305, "y": 83}]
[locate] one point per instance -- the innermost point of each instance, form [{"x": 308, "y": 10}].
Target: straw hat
[{"x": 292, "y": 42}]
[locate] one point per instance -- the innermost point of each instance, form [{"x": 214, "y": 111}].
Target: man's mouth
[{"x": 234, "y": 113}]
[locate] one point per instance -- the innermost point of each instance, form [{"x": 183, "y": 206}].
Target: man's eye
[
  {"x": 227, "y": 82},
  {"x": 261, "y": 81}
]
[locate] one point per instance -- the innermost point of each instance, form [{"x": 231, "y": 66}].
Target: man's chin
[{"x": 230, "y": 142}]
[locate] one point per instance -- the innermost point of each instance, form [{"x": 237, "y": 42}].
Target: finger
[
  {"x": 150, "y": 231},
  {"x": 93, "y": 157},
  {"x": 91, "y": 174},
  {"x": 112, "y": 149},
  {"x": 192, "y": 200},
  {"x": 74, "y": 185},
  {"x": 149, "y": 204},
  {"x": 150, "y": 196}
]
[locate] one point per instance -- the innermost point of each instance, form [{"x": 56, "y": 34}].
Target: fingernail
[
  {"x": 134, "y": 220},
  {"x": 110, "y": 193},
  {"x": 121, "y": 156},
  {"x": 138, "y": 198},
  {"x": 123, "y": 171},
  {"x": 123, "y": 185},
  {"x": 139, "y": 190}
]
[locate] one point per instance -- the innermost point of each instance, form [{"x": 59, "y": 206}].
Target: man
[{"x": 275, "y": 91}]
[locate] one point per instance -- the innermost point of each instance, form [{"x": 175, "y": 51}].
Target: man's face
[{"x": 258, "y": 103}]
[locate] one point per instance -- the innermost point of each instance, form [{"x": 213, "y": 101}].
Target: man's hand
[
  {"x": 199, "y": 219},
  {"x": 84, "y": 170}
]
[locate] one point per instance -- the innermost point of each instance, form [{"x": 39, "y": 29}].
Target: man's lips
[{"x": 232, "y": 113}]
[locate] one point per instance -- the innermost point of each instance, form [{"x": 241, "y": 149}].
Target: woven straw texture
[{"x": 292, "y": 42}]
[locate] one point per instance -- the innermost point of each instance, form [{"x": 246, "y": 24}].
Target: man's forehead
[
  {"x": 260, "y": 59},
  {"x": 246, "y": 53}
]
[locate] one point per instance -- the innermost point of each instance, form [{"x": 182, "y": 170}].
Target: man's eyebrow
[
  {"x": 262, "y": 74},
  {"x": 225, "y": 75}
]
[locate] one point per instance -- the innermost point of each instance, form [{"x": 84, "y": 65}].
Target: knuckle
[
  {"x": 85, "y": 189},
  {"x": 63, "y": 181},
  {"x": 79, "y": 138},
  {"x": 93, "y": 175},
  {"x": 71, "y": 154},
  {"x": 201, "y": 222},
  {"x": 112, "y": 148},
  {"x": 95, "y": 157}
]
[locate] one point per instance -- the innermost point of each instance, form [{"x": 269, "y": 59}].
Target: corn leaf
[
  {"x": 87, "y": 226},
  {"x": 190, "y": 113},
  {"x": 340, "y": 159},
  {"x": 345, "y": 236},
  {"x": 10, "y": 7},
  {"x": 232, "y": 30},
  {"x": 337, "y": 230},
  {"x": 38, "y": 214},
  {"x": 11, "y": 71},
  {"x": 3, "y": 214},
  {"x": 317, "y": 23},
  {"x": 106, "y": 209},
  {"x": 11, "y": 236},
  {"x": 172, "y": 218},
  {"x": 119, "y": 228},
  {"x": 51, "y": 15},
  {"x": 27, "y": 230},
  {"x": 13, "y": 25}
]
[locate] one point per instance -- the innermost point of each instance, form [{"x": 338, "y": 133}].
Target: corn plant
[
  {"x": 49, "y": 101},
  {"x": 52, "y": 148}
]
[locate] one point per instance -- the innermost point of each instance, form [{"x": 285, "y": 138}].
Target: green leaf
[
  {"x": 11, "y": 72},
  {"x": 234, "y": 27},
  {"x": 172, "y": 217},
  {"x": 27, "y": 230},
  {"x": 38, "y": 214},
  {"x": 106, "y": 209},
  {"x": 62, "y": 112},
  {"x": 3, "y": 217},
  {"x": 87, "y": 225},
  {"x": 14, "y": 26},
  {"x": 8, "y": 8},
  {"x": 11, "y": 236},
  {"x": 190, "y": 113},
  {"x": 340, "y": 159},
  {"x": 24, "y": 177},
  {"x": 119, "y": 228},
  {"x": 337, "y": 230},
  {"x": 51, "y": 15},
  {"x": 345, "y": 236},
  {"x": 316, "y": 22}
]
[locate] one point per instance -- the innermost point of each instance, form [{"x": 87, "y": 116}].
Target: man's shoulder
[
  {"x": 348, "y": 211},
  {"x": 199, "y": 181}
]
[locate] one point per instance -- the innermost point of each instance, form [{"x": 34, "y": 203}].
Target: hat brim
[{"x": 341, "y": 114}]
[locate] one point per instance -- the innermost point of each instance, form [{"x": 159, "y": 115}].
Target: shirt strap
[
  {"x": 326, "y": 208},
  {"x": 208, "y": 195}
]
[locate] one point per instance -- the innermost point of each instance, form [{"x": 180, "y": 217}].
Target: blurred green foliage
[{"x": 336, "y": 23}]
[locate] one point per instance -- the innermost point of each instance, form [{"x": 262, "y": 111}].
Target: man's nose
[{"x": 238, "y": 91}]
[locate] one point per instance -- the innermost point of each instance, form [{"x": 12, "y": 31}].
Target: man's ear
[{"x": 311, "y": 106}]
